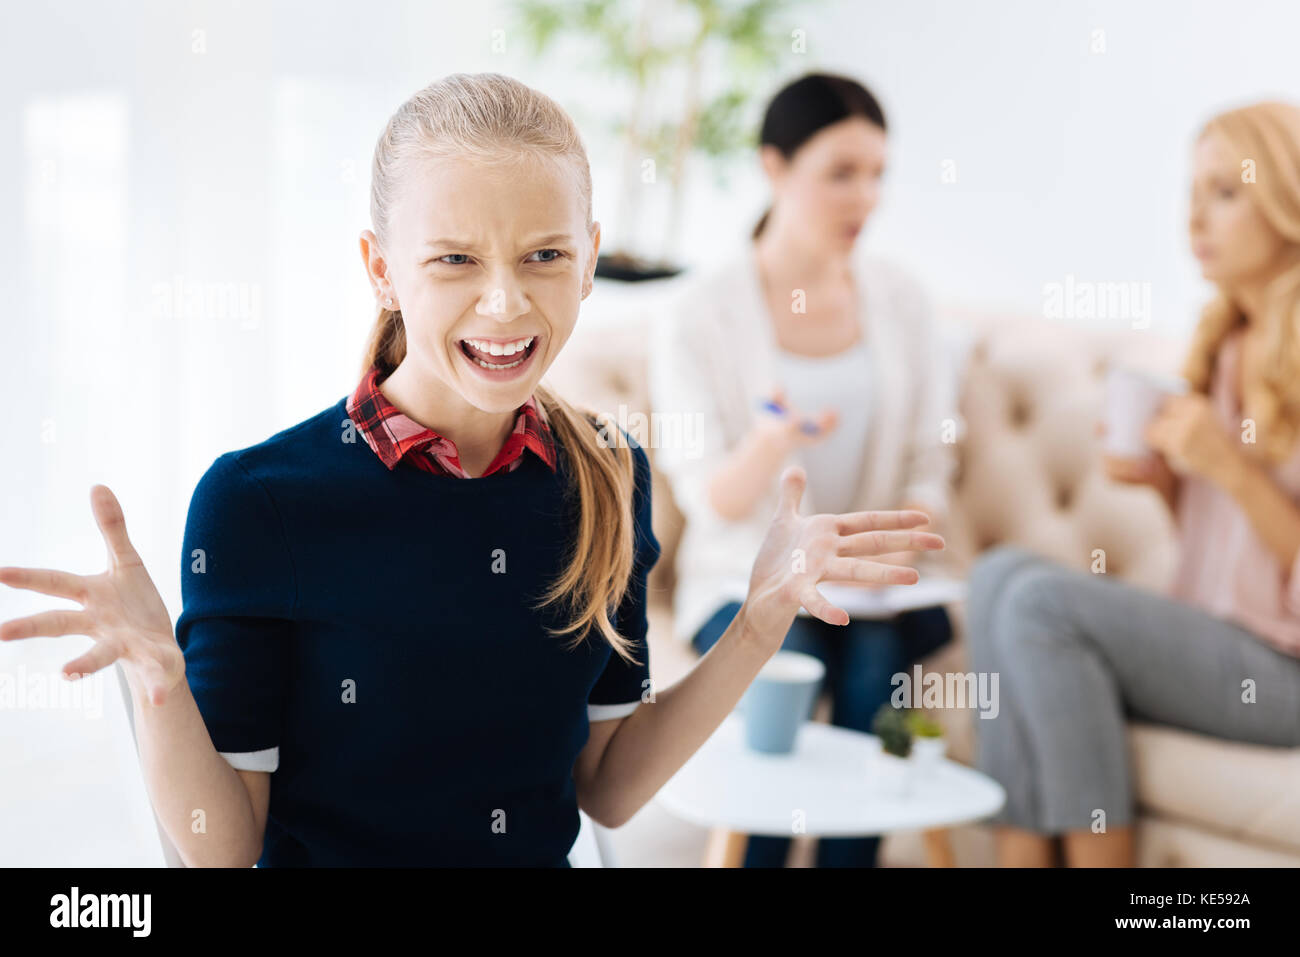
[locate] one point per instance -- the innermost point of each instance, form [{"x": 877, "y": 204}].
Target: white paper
[
  {"x": 889, "y": 600},
  {"x": 886, "y": 601}
]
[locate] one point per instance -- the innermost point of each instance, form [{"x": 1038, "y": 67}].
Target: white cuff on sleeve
[
  {"x": 607, "y": 712},
  {"x": 267, "y": 760}
]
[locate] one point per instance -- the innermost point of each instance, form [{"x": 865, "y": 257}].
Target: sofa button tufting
[
  {"x": 1064, "y": 497},
  {"x": 1019, "y": 414}
]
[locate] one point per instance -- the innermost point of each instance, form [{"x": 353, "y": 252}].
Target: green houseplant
[{"x": 689, "y": 69}]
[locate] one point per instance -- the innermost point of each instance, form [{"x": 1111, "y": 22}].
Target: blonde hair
[
  {"x": 491, "y": 118},
  {"x": 1268, "y": 134}
]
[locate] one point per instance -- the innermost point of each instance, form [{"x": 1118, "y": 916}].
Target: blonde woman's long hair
[
  {"x": 492, "y": 118},
  {"x": 1269, "y": 135}
]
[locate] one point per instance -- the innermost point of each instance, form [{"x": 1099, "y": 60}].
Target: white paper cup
[{"x": 1132, "y": 399}]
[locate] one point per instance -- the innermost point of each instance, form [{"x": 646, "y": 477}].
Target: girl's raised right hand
[
  {"x": 801, "y": 551},
  {"x": 121, "y": 610}
]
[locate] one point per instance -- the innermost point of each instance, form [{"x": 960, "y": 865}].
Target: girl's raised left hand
[{"x": 800, "y": 551}]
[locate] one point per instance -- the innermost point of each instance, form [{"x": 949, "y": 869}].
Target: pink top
[{"x": 1224, "y": 566}]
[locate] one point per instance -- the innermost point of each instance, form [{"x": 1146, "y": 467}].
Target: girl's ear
[
  {"x": 589, "y": 278},
  {"x": 373, "y": 259}
]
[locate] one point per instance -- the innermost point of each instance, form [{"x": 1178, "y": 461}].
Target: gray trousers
[{"x": 1078, "y": 653}]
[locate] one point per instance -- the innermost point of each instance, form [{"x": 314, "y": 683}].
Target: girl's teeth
[
  {"x": 499, "y": 348},
  {"x": 498, "y": 365}
]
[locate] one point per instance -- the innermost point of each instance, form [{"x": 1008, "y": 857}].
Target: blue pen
[{"x": 805, "y": 426}]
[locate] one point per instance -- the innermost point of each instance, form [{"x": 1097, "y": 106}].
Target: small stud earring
[{"x": 388, "y": 301}]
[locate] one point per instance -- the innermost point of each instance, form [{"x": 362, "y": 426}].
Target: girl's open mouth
[{"x": 496, "y": 359}]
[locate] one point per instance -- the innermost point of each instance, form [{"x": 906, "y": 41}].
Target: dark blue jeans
[{"x": 861, "y": 658}]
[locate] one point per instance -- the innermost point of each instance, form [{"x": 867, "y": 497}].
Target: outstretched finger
[
  {"x": 47, "y": 624},
  {"x": 154, "y": 679},
  {"x": 101, "y": 656},
  {"x": 47, "y": 581},
  {"x": 819, "y": 607},
  {"x": 112, "y": 525},
  {"x": 882, "y": 543},
  {"x": 793, "y": 481},
  {"x": 850, "y": 522},
  {"x": 861, "y": 571}
]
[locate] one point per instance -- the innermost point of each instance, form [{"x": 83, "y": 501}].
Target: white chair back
[
  {"x": 170, "y": 854},
  {"x": 591, "y": 848}
]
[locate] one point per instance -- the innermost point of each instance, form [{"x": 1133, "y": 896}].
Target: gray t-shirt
[{"x": 841, "y": 381}]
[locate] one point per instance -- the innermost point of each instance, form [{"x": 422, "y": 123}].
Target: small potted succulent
[
  {"x": 928, "y": 742},
  {"x": 910, "y": 734},
  {"x": 891, "y": 775},
  {"x": 890, "y": 725}
]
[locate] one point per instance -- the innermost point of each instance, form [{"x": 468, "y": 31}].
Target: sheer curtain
[{"x": 184, "y": 185}]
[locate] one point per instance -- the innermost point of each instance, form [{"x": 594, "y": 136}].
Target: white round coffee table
[{"x": 834, "y": 784}]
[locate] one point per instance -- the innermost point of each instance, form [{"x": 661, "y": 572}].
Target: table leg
[
  {"x": 938, "y": 848},
  {"x": 725, "y": 848}
]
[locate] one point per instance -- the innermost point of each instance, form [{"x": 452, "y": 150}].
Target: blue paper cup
[{"x": 779, "y": 700}]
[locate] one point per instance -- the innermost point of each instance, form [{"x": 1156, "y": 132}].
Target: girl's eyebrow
[{"x": 466, "y": 244}]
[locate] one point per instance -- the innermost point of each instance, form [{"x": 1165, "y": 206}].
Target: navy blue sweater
[{"x": 373, "y": 629}]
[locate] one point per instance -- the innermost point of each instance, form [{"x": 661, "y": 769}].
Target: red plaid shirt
[{"x": 395, "y": 436}]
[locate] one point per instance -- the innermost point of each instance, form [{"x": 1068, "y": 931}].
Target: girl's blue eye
[{"x": 557, "y": 252}]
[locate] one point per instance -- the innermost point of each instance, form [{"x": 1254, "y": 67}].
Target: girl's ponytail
[
  {"x": 386, "y": 346},
  {"x": 600, "y": 562}
]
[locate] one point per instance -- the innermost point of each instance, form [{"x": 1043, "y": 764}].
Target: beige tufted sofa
[{"x": 1028, "y": 474}]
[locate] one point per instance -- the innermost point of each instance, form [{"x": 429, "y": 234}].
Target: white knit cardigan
[{"x": 712, "y": 361}]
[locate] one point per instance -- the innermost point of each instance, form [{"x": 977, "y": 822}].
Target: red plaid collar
[{"x": 395, "y": 436}]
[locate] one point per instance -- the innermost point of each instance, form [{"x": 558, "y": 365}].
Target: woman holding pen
[
  {"x": 414, "y": 624},
  {"x": 801, "y": 350}
]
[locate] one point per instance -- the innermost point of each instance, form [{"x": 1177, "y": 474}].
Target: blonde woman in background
[
  {"x": 1079, "y": 653},
  {"x": 803, "y": 349}
]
